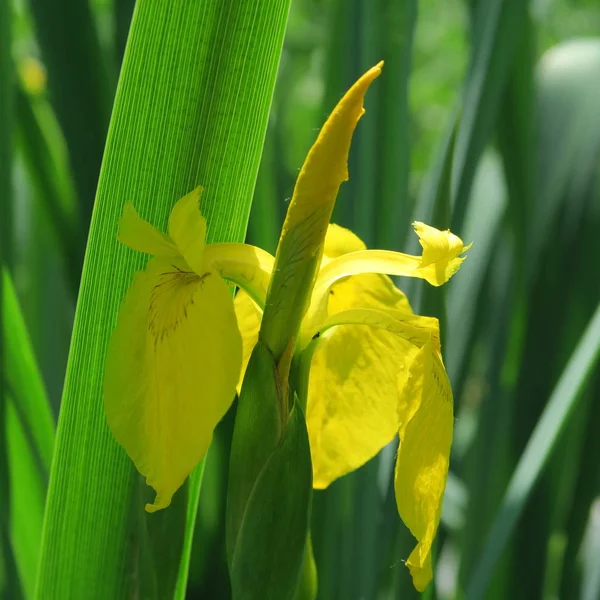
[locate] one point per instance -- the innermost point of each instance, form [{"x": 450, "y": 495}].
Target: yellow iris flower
[
  {"x": 375, "y": 370},
  {"x": 367, "y": 368},
  {"x": 174, "y": 358}
]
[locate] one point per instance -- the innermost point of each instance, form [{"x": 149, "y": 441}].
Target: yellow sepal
[
  {"x": 172, "y": 365},
  {"x": 141, "y": 236}
]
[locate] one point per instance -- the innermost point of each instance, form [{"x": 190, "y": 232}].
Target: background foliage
[{"x": 487, "y": 118}]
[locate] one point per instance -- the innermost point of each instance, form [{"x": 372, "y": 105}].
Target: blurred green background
[{"x": 486, "y": 120}]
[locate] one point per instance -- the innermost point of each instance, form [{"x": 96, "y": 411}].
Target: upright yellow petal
[
  {"x": 426, "y": 418},
  {"x": 187, "y": 228},
  {"x": 171, "y": 369},
  {"x": 141, "y": 236},
  {"x": 339, "y": 240}
]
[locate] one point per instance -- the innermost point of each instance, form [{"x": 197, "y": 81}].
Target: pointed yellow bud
[{"x": 302, "y": 238}]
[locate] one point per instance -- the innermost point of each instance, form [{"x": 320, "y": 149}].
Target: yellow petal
[
  {"x": 247, "y": 266},
  {"x": 171, "y": 369},
  {"x": 413, "y": 328},
  {"x": 248, "y": 316},
  {"x": 437, "y": 264},
  {"x": 353, "y": 397},
  {"x": 187, "y": 228},
  {"x": 302, "y": 237},
  {"x": 441, "y": 251},
  {"x": 426, "y": 422},
  {"x": 340, "y": 240},
  {"x": 364, "y": 290},
  {"x": 141, "y": 236}
]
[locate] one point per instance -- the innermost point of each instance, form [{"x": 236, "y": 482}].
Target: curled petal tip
[{"x": 158, "y": 504}]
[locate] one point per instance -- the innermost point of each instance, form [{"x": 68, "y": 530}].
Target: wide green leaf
[{"x": 191, "y": 108}]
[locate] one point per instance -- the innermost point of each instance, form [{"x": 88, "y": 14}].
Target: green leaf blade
[{"x": 191, "y": 108}]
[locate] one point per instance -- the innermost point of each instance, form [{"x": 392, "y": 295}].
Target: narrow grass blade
[
  {"x": 200, "y": 119},
  {"x": 484, "y": 214},
  {"x": 43, "y": 172},
  {"x": 29, "y": 439},
  {"x": 341, "y": 69},
  {"x": 79, "y": 86},
  {"x": 537, "y": 452},
  {"x": 195, "y": 485},
  {"x": 24, "y": 380},
  {"x": 517, "y": 138},
  {"x": 6, "y": 138},
  {"x": 9, "y": 580},
  {"x": 28, "y": 492},
  {"x": 496, "y": 32},
  {"x": 590, "y": 555},
  {"x": 393, "y": 200},
  {"x": 123, "y": 11}
]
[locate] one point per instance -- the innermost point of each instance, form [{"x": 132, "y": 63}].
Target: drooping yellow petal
[
  {"x": 441, "y": 250},
  {"x": 249, "y": 317},
  {"x": 141, "y": 236},
  {"x": 353, "y": 397},
  {"x": 187, "y": 228},
  {"x": 171, "y": 369},
  {"x": 247, "y": 266},
  {"x": 426, "y": 417},
  {"x": 302, "y": 237}
]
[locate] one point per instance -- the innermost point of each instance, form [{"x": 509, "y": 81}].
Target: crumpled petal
[
  {"x": 141, "y": 236},
  {"x": 441, "y": 251},
  {"x": 172, "y": 365},
  {"x": 426, "y": 417},
  {"x": 187, "y": 228}
]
